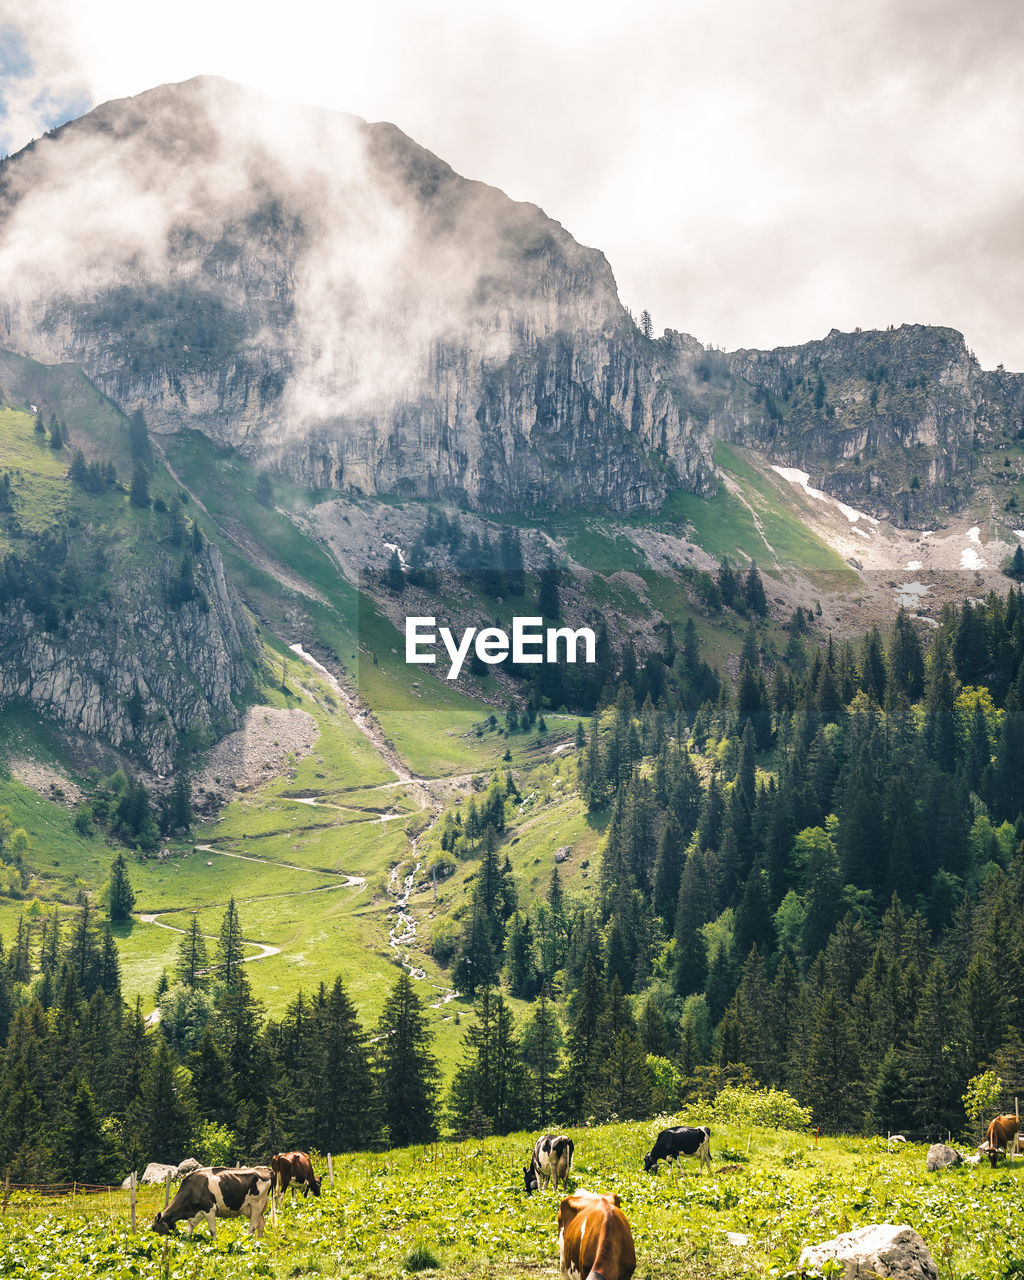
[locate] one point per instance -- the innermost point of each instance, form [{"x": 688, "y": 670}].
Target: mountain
[
  {"x": 117, "y": 620},
  {"x": 897, "y": 421},
  {"x": 336, "y": 302}
]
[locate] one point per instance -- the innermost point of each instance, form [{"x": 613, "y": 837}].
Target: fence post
[
  {"x": 7, "y": 1189},
  {"x": 330, "y": 1169},
  {"x": 167, "y": 1188},
  {"x": 131, "y": 1197},
  {"x": 74, "y": 1192}
]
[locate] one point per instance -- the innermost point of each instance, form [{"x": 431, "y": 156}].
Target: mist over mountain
[{"x": 337, "y": 302}]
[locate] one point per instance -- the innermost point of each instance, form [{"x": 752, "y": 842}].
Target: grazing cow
[
  {"x": 1001, "y": 1138},
  {"x": 295, "y": 1169},
  {"x": 670, "y": 1144},
  {"x": 594, "y": 1239},
  {"x": 552, "y": 1158},
  {"x": 218, "y": 1193}
]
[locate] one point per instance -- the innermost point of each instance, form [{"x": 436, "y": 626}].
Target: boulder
[
  {"x": 941, "y": 1157},
  {"x": 873, "y": 1253},
  {"x": 187, "y": 1166},
  {"x": 157, "y": 1172}
]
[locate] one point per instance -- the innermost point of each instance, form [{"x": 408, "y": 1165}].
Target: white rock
[
  {"x": 156, "y": 1173},
  {"x": 879, "y": 1252}
]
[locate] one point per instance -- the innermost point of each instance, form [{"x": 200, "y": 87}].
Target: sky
[{"x": 757, "y": 172}]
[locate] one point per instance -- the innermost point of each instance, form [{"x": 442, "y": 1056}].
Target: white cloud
[{"x": 756, "y": 171}]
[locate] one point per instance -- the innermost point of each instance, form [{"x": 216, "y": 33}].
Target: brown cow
[
  {"x": 594, "y": 1239},
  {"x": 1001, "y": 1138},
  {"x": 295, "y": 1168}
]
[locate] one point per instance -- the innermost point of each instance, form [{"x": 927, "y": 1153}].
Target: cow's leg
[{"x": 211, "y": 1217}]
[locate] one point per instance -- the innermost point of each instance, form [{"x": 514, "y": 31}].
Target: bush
[
  {"x": 216, "y": 1144},
  {"x": 760, "y": 1108},
  {"x": 421, "y": 1258}
]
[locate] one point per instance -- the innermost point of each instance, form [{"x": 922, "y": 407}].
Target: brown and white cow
[
  {"x": 218, "y": 1193},
  {"x": 594, "y": 1239},
  {"x": 294, "y": 1169},
  {"x": 1001, "y": 1138}
]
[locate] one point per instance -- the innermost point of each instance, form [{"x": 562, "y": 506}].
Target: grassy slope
[
  {"x": 321, "y": 925},
  {"x": 465, "y": 1202}
]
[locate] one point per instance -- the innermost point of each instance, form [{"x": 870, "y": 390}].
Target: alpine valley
[{"x": 274, "y": 380}]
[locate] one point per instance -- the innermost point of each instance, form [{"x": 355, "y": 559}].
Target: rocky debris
[
  {"x": 46, "y": 781},
  {"x": 259, "y": 750},
  {"x": 187, "y": 1166},
  {"x": 942, "y": 1157},
  {"x": 879, "y": 1252},
  {"x": 157, "y": 1173},
  {"x": 562, "y": 855}
]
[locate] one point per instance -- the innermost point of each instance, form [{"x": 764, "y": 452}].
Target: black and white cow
[
  {"x": 218, "y": 1193},
  {"x": 552, "y": 1158},
  {"x": 670, "y": 1144}
]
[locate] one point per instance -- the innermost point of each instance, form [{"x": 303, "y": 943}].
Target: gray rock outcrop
[
  {"x": 336, "y": 302},
  {"x": 941, "y": 1157},
  {"x": 879, "y": 1252},
  {"x": 132, "y": 670},
  {"x": 157, "y": 1173}
]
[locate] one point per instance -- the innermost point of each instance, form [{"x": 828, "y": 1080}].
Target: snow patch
[
  {"x": 1019, "y": 533},
  {"x": 795, "y": 476},
  {"x": 393, "y": 547},
  {"x": 974, "y": 535},
  {"x": 969, "y": 559},
  {"x": 863, "y": 534},
  {"x": 913, "y": 565},
  {"x": 910, "y": 594}
]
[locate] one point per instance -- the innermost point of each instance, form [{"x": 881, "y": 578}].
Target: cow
[
  {"x": 218, "y": 1193},
  {"x": 295, "y": 1169},
  {"x": 1001, "y": 1138},
  {"x": 552, "y": 1158},
  {"x": 594, "y": 1239},
  {"x": 670, "y": 1144}
]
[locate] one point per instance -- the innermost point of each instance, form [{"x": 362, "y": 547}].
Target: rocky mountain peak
[{"x": 338, "y": 302}]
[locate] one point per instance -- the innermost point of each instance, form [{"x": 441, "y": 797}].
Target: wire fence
[{"x": 82, "y": 1201}]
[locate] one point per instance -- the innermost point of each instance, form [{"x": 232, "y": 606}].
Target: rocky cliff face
[
  {"x": 892, "y": 420},
  {"x": 338, "y": 303},
  {"x": 150, "y": 679}
]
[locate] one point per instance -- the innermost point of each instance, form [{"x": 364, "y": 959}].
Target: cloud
[{"x": 756, "y": 171}]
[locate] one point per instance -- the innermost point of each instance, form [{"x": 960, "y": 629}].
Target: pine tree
[
  {"x": 396, "y": 574},
  {"x": 138, "y": 440},
  {"x": 753, "y": 591},
  {"x": 230, "y": 945},
  {"x": 138, "y": 492},
  {"x": 548, "y": 600},
  {"x": 542, "y": 1041},
  {"x": 585, "y": 1009},
  {"x": 345, "y": 1114},
  {"x": 691, "y": 914},
  {"x": 121, "y": 896},
  {"x": 163, "y": 1116},
  {"x": 407, "y": 1071},
  {"x": 192, "y": 957}
]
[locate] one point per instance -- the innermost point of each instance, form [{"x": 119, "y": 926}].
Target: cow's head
[
  {"x": 314, "y": 1184},
  {"x": 530, "y": 1178},
  {"x": 650, "y": 1161},
  {"x": 162, "y": 1227}
]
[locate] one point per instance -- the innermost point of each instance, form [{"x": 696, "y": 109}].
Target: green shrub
[{"x": 760, "y": 1108}]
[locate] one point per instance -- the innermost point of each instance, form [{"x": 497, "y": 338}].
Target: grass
[
  {"x": 460, "y": 1208},
  {"x": 39, "y": 484}
]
